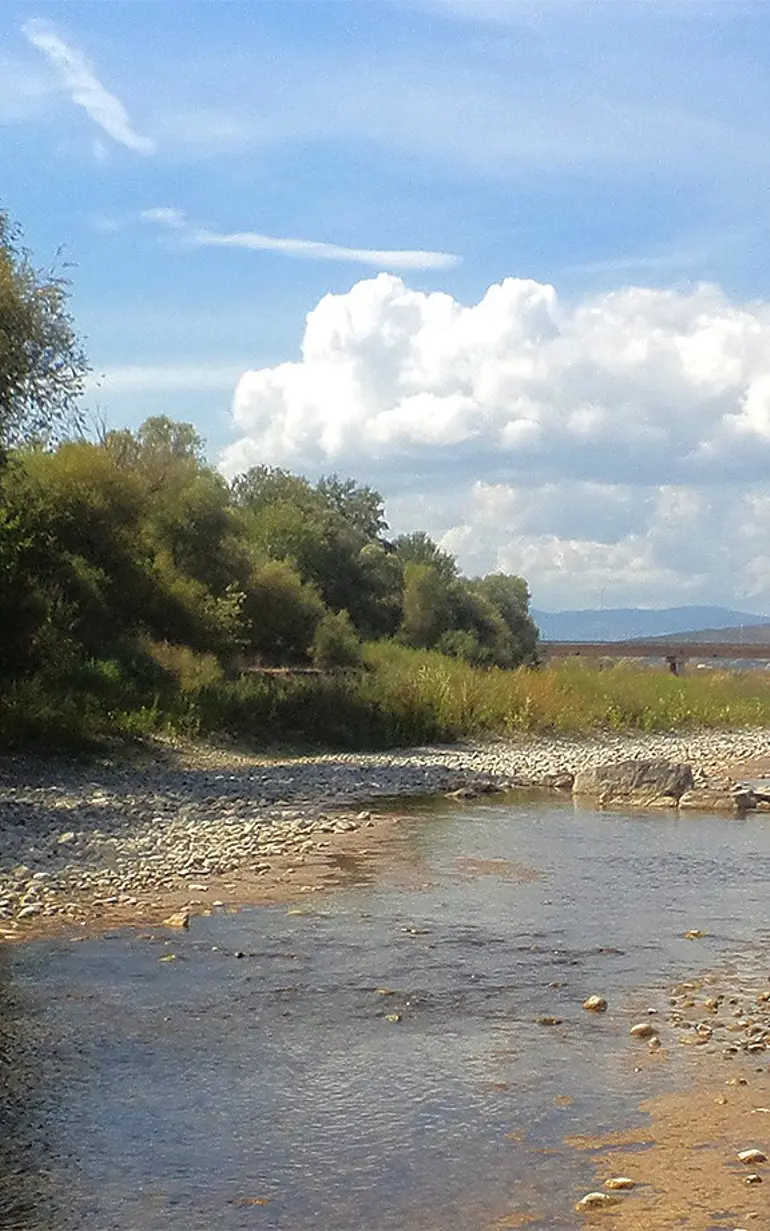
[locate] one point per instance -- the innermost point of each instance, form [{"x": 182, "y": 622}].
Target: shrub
[{"x": 336, "y": 644}]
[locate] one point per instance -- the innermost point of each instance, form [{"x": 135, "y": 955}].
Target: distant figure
[{"x": 672, "y": 664}]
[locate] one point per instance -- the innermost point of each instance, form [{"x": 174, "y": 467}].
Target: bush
[{"x": 336, "y": 645}]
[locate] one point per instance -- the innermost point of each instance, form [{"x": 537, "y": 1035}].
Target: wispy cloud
[
  {"x": 79, "y": 78},
  {"x": 310, "y": 249},
  {"x": 182, "y": 377},
  {"x": 166, "y": 216}
]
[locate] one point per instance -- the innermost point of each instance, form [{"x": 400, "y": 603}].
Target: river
[{"x": 372, "y": 1058}]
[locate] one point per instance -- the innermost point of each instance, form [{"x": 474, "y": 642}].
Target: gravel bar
[{"x": 77, "y": 835}]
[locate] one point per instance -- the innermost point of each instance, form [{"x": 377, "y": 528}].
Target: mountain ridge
[{"x": 632, "y": 623}]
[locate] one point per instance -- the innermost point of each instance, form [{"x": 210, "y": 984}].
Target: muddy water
[{"x": 270, "y": 1090}]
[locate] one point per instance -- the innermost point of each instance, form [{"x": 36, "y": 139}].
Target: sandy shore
[
  {"x": 189, "y": 827},
  {"x": 685, "y": 1160}
]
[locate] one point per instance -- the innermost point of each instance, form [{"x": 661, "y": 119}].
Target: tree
[
  {"x": 510, "y": 596},
  {"x": 42, "y": 365},
  {"x": 336, "y": 645},
  {"x": 281, "y": 614},
  {"x": 426, "y": 606},
  {"x": 419, "y": 548},
  {"x": 361, "y": 507}
]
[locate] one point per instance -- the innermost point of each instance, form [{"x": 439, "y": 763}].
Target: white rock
[
  {"x": 596, "y": 1201},
  {"x": 752, "y": 1156}
]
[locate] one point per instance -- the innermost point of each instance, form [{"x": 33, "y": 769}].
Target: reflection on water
[{"x": 373, "y": 1060}]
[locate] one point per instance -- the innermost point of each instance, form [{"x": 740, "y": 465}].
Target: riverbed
[{"x": 406, "y": 1051}]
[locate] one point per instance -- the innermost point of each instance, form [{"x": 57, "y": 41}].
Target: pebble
[
  {"x": 642, "y": 1030},
  {"x": 596, "y": 1201},
  {"x": 752, "y": 1156},
  {"x": 595, "y": 1004},
  {"x": 202, "y": 813},
  {"x": 620, "y": 1182}
]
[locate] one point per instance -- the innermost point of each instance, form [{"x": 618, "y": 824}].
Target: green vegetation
[
  {"x": 141, "y": 592},
  {"x": 137, "y": 586}
]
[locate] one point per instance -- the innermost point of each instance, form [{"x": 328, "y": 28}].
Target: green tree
[
  {"x": 510, "y": 596},
  {"x": 42, "y": 365},
  {"x": 336, "y": 644},
  {"x": 419, "y": 548},
  {"x": 361, "y": 507},
  {"x": 426, "y": 605},
  {"x": 281, "y": 614}
]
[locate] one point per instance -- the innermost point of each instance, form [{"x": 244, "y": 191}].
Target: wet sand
[{"x": 684, "y": 1158}]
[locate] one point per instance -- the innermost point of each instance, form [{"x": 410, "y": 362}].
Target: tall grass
[
  {"x": 570, "y": 696},
  {"x": 400, "y": 697}
]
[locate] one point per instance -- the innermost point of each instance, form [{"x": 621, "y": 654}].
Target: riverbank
[
  {"x": 701, "y": 1158},
  {"x": 193, "y": 827}
]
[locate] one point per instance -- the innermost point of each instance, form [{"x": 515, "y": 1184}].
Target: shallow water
[{"x": 271, "y": 1091}]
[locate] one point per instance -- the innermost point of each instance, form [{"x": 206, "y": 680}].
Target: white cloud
[
  {"x": 158, "y": 377},
  {"x": 310, "y": 249},
  {"x": 165, "y": 216},
  {"x": 80, "y": 79},
  {"x": 620, "y": 443}
]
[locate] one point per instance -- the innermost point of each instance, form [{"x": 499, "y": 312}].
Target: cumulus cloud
[
  {"x": 620, "y": 443},
  {"x": 80, "y": 79},
  {"x": 310, "y": 249}
]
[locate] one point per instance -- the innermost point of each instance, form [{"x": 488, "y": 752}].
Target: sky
[{"x": 505, "y": 260}]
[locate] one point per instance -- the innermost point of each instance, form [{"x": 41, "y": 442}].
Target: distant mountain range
[{"x": 624, "y": 623}]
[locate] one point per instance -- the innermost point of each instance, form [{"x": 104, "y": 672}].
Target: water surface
[{"x": 270, "y": 1090}]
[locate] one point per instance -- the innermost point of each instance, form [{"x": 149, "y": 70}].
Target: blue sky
[{"x": 172, "y": 148}]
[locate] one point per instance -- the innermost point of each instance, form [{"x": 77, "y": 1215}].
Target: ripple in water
[{"x": 273, "y": 1091}]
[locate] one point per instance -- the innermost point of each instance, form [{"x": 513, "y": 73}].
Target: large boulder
[
  {"x": 737, "y": 800},
  {"x": 634, "y": 784}
]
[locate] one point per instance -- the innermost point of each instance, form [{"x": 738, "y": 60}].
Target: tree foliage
[
  {"x": 42, "y": 364},
  {"x": 109, "y": 548}
]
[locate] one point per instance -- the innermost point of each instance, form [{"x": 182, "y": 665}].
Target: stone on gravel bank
[
  {"x": 733, "y": 799},
  {"x": 635, "y": 784}
]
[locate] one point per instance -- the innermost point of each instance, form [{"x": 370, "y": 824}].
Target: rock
[
  {"x": 393, "y": 1017},
  {"x": 65, "y": 838},
  {"x": 654, "y": 1043},
  {"x": 596, "y": 1201},
  {"x": 620, "y": 1182},
  {"x": 634, "y": 784},
  {"x": 563, "y": 781},
  {"x": 180, "y": 919},
  {"x": 752, "y": 1156},
  {"x": 754, "y": 1179},
  {"x": 547, "y": 1020},
  {"x": 711, "y": 799},
  {"x": 595, "y": 1004},
  {"x": 694, "y": 934},
  {"x": 27, "y": 912},
  {"x": 642, "y": 1030}
]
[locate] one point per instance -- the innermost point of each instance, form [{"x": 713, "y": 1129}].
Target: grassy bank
[{"x": 402, "y": 697}]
